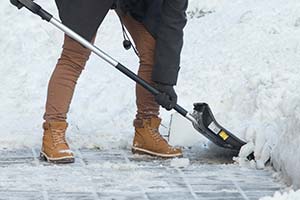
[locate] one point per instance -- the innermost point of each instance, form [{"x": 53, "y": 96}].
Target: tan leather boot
[
  {"x": 147, "y": 140},
  {"x": 55, "y": 148}
]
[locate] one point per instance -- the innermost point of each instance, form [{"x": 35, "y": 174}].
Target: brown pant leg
[
  {"x": 145, "y": 44},
  {"x": 64, "y": 78}
]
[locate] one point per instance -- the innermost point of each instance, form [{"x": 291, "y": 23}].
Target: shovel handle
[
  {"x": 36, "y": 9},
  {"x": 33, "y": 7}
]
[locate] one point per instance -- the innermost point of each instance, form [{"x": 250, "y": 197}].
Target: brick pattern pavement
[{"x": 119, "y": 175}]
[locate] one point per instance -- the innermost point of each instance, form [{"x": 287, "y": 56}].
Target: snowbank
[
  {"x": 248, "y": 70},
  {"x": 240, "y": 56}
]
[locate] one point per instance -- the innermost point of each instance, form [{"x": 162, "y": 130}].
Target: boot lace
[
  {"x": 156, "y": 135},
  {"x": 58, "y": 136}
]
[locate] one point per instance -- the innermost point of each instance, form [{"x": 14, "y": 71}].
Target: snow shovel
[{"x": 202, "y": 117}]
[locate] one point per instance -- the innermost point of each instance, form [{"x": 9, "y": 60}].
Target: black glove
[{"x": 167, "y": 97}]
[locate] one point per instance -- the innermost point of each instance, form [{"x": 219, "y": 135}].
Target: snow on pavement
[{"x": 117, "y": 174}]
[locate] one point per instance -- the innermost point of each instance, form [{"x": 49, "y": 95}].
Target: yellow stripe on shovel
[{"x": 223, "y": 135}]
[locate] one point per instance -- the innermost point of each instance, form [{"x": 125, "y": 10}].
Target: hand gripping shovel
[{"x": 202, "y": 117}]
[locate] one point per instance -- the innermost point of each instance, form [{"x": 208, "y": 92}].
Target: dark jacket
[
  {"x": 147, "y": 12},
  {"x": 164, "y": 19}
]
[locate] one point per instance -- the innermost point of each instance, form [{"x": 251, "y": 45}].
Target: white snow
[
  {"x": 292, "y": 195},
  {"x": 182, "y": 132},
  {"x": 180, "y": 162},
  {"x": 66, "y": 151},
  {"x": 247, "y": 57},
  {"x": 242, "y": 57}
]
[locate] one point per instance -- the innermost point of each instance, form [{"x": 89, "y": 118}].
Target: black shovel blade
[{"x": 212, "y": 130}]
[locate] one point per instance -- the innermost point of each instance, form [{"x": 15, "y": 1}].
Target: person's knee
[
  {"x": 146, "y": 51},
  {"x": 75, "y": 56},
  {"x": 147, "y": 57},
  {"x": 74, "y": 53}
]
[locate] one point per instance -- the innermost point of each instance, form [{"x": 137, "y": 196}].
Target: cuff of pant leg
[{"x": 138, "y": 123}]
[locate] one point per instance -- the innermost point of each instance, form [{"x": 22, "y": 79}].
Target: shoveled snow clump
[
  {"x": 292, "y": 195},
  {"x": 180, "y": 162}
]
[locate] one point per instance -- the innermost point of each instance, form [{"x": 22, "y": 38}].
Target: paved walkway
[{"x": 119, "y": 175}]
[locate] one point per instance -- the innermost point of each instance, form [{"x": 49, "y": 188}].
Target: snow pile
[
  {"x": 248, "y": 59},
  {"x": 240, "y": 56},
  {"x": 292, "y": 195}
]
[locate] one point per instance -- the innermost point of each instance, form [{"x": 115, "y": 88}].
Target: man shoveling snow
[{"x": 158, "y": 37}]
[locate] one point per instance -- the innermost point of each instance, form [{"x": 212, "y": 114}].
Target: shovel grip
[
  {"x": 16, "y": 3},
  {"x": 33, "y": 7},
  {"x": 147, "y": 86}
]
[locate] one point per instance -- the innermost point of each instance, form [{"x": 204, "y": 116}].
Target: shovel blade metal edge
[{"x": 212, "y": 130}]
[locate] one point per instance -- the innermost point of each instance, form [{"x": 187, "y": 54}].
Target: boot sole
[
  {"x": 62, "y": 160},
  {"x": 136, "y": 150}
]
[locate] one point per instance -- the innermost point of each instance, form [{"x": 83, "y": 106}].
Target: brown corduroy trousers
[{"x": 73, "y": 60}]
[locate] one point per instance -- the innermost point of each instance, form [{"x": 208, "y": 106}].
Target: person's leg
[
  {"x": 145, "y": 44},
  {"x": 60, "y": 92},
  {"x": 64, "y": 78},
  {"x": 147, "y": 137}
]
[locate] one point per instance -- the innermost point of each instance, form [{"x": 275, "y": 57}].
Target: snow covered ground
[{"x": 240, "y": 56}]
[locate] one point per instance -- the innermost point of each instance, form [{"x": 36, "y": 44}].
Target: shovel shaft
[
  {"x": 114, "y": 63},
  {"x": 84, "y": 42},
  {"x": 36, "y": 9}
]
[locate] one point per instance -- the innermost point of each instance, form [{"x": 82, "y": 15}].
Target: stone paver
[{"x": 119, "y": 175}]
